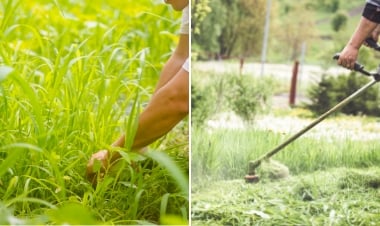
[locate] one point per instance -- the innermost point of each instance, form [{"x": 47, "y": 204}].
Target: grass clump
[
  {"x": 358, "y": 179},
  {"x": 273, "y": 170}
]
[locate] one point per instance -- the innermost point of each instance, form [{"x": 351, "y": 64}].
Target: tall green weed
[{"x": 73, "y": 77}]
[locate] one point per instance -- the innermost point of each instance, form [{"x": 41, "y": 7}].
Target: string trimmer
[{"x": 253, "y": 165}]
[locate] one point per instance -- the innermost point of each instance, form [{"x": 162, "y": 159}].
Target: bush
[
  {"x": 333, "y": 89},
  {"x": 245, "y": 95},
  {"x": 202, "y": 104},
  {"x": 339, "y": 21},
  {"x": 248, "y": 96}
]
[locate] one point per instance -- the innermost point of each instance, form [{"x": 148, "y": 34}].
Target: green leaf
[
  {"x": 14, "y": 152},
  {"x": 4, "y": 72},
  {"x": 173, "y": 220},
  {"x": 132, "y": 123},
  {"x": 34, "y": 101},
  {"x": 72, "y": 214},
  {"x": 174, "y": 171}
]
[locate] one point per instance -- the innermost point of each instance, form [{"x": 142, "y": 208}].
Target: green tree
[
  {"x": 296, "y": 27},
  {"x": 205, "y": 41},
  {"x": 230, "y": 28},
  {"x": 199, "y": 10},
  {"x": 242, "y": 34},
  {"x": 339, "y": 21},
  {"x": 250, "y": 27}
]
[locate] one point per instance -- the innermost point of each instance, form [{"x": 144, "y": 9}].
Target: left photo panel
[{"x": 94, "y": 105}]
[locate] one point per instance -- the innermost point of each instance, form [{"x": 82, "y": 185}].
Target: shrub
[
  {"x": 249, "y": 95},
  {"x": 333, "y": 89},
  {"x": 202, "y": 104},
  {"x": 244, "y": 95},
  {"x": 339, "y": 21}
]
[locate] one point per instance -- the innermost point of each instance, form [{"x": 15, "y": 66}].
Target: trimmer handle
[
  {"x": 357, "y": 67},
  {"x": 372, "y": 44}
]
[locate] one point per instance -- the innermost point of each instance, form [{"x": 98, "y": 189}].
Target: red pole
[{"x": 293, "y": 86}]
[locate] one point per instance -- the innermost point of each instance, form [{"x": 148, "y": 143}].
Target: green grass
[
  {"x": 333, "y": 180},
  {"x": 225, "y": 153},
  {"x": 73, "y": 77},
  {"x": 339, "y": 196}
]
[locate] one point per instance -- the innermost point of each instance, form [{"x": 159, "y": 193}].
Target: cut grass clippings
[{"x": 340, "y": 196}]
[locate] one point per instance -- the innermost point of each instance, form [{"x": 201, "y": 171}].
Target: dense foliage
[
  {"x": 244, "y": 95},
  {"x": 73, "y": 76},
  {"x": 333, "y": 89},
  {"x": 240, "y": 35}
]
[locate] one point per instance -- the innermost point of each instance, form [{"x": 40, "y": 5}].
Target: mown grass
[
  {"x": 73, "y": 77},
  {"x": 340, "y": 196},
  {"x": 334, "y": 180}
]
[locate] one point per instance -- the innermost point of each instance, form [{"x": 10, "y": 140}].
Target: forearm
[
  {"x": 159, "y": 118},
  {"x": 363, "y": 30},
  {"x": 168, "y": 106},
  {"x": 175, "y": 62}
]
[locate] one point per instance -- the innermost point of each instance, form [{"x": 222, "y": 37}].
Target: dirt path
[
  {"x": 351, "y": 128},
  {"x": 306, "y": 72}
]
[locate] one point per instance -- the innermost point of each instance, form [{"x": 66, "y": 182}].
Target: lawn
[
  {"x": 338, "y": 196},
  {"x": 334, "y": 172},
  {"x": 73, "y": 76}
]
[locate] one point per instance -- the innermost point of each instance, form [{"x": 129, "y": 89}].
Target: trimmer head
[{"x": 252, "y": 177}]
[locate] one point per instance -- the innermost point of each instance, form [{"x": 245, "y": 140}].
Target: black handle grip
[
  {"x": 372, "y": 44},
  {"x": 357, "y": 67}
]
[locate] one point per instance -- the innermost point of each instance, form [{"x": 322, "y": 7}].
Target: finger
[
  {"x": 352, "y": 65},
  {"x": 340, "y": 61}
]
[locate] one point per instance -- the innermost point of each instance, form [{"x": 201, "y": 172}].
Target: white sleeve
[
  {"x": 185, "y": 21},
  {"x": 185, "y": 65}
]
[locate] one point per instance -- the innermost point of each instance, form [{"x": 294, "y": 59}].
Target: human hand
[
  {"x": 97, "y": 166},
  {"x": 348, "y": 56}
]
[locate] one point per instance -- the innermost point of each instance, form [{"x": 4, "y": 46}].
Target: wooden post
[
  {"x": 293, "y": 85},
  {"x": 241, "y": 65}
]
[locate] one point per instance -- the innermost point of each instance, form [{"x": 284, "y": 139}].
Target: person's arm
[
  {"x": 168, "y": 106},
  {"x": 369, "y": 21},
  {"x": 166, "y": 96},
  {"x": 175, "y": 61},
  {"x": 375, "y": 33},
  {"x": 350, "y": 52}
]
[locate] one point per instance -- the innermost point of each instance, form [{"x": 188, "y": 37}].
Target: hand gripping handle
[{"x": 357, "y": 67}]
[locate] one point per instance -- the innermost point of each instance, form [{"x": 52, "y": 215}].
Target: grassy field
[
  {"x": 339, "y": 196},
  {"x": 334, "y": 168},
  {"x": 73, "y": 77},
  {"x": 333, "y": 180}
]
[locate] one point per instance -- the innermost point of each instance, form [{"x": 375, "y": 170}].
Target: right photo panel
[{"x": 285, "y": 107}]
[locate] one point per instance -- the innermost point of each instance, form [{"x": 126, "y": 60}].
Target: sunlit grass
[
  {"x": 225, "y": 153},
  {"x": 73, "y": 77}
]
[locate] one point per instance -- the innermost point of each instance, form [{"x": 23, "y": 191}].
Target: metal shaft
[{"x": 318, "y": 120}]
